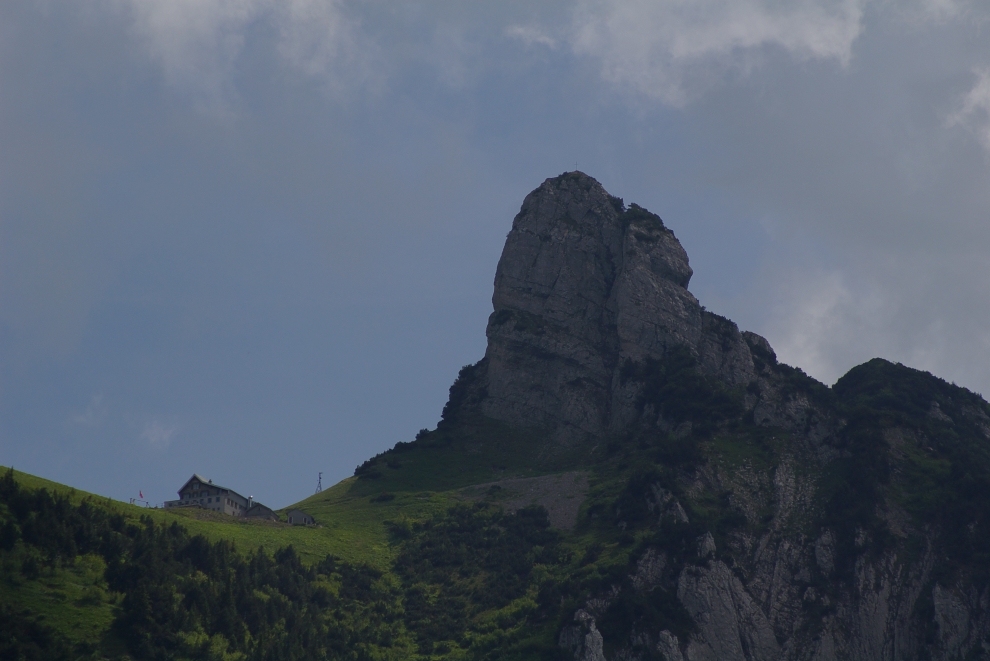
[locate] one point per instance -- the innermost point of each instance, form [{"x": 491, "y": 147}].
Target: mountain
[
  {"x": 766, "y": 515},
  {"x": 586, "y": 292},
  {"x": 624, "y": 475}
]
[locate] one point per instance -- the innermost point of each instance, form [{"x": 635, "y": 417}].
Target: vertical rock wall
[{"x": 583, "y": 285}]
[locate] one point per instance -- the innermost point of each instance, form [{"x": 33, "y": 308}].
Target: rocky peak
[{"x": 585, "y": 288}]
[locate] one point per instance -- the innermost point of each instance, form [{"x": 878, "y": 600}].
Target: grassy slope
[
  {"x": 352, "y": 517},
  {"x": 351, "y": 525},
  {"x": 417, "y": 480},
  {"x": 472, "y": 450},
  {"x": 352, "y": 514},
  {"x": 72, "y": 599}
]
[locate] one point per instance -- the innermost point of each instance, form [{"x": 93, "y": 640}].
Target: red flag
[{"x": 140, "y": 494}]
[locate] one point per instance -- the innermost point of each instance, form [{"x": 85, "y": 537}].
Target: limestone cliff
[
  {"x": 766, "y": 515},
  {"x": 586, "y": 286}
]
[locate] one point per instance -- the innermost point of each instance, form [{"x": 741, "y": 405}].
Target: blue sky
[{"x": 256, "y": 239}]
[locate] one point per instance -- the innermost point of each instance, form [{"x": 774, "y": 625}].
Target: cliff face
[
  {"x": 770, "y": 517},
  {"x": 585, "y": 287}
]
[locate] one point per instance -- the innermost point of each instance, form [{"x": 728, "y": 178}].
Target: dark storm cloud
[{"x": 256, "y": 239}]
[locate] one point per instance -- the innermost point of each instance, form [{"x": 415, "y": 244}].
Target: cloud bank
[
  {"x": 973, "y": 112},
  {"x": 199, "y": 44},
  {"x": 667, "y": 50},
  {"x": 670, "y": 49}
]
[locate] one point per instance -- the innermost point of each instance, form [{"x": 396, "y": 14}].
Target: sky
[{"x": 256, "y": 239}]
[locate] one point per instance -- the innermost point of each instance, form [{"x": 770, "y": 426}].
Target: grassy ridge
[
  {"x": 350, "y": 529},
  {"x": 351, "y": 523},
  {"x": 469, "y": 450},
  {"x": 417, "y": 480}
]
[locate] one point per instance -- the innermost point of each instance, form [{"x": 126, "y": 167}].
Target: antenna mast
[{"x": 319, "y": 483}]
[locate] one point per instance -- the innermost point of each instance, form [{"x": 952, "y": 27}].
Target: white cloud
[
  {"x": 158, "y": 435},
  {"x": 973, "y": 112},
  {"x": 197, "y": 43},
  {"x": 669, "y": 49},
  {"x": 820, "y": 322},
  {"x": 924, "y": 310},
  {"x": 937, "y": 10},
  {"x": 531, "y": 35},
  {"x": 320, "y": 39}
]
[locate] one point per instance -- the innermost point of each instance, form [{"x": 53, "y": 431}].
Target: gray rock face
[
  {"x": 583, "y": 286},
  {"x": 763, "y": 608},
  {"x": 583, "y": 639},
  {"x": 784, "y": 597},
  {"x": 589, "y": 292},
  {"x": 731, "y": 627}
]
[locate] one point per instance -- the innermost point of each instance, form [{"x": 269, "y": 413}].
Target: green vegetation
[
  {"x": 471, "y": 448},
  {"x": 406, "y": 565},
  {"x": 644, "y": 218},
  {"x": 471, "y": 575},
  {"x": 62, "y": 606},
  {"x": 924, "y": 444},
  {"x": 92, "y": 582},
  {"x": 175, "y": 595},
  {"x": 678, "y": 393}
]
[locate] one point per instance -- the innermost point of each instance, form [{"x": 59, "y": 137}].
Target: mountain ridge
[
  {"x": 731, "y": 506},
  {"x": 787, "y": 517}
]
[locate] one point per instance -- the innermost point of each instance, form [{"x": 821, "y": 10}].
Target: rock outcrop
[
  {"x": 586, "y": 286},
  {"x": 783, "y": 519}
]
